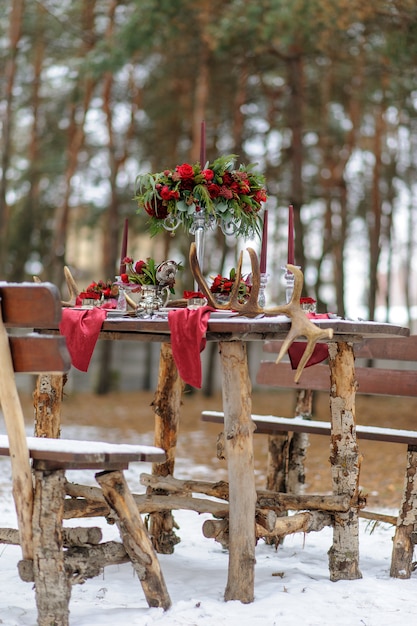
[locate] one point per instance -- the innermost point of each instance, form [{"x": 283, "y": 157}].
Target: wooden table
[{"x": 232, "y": 335}]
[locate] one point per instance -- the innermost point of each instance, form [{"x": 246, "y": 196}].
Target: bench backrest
[
  {"x": 26, "y": 306},
  {"x": 372, "y": 380},
  {"x": 29, "y": 306}
]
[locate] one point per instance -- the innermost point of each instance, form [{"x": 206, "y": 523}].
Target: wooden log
[
  {"x": 289, "y": 501},
  {"x": 405, "y": 533},
  {"x": 305, "y": 522},
  {"x": 80, "y": 507},
  {"x": 378, "y": 517},
  {"x": 83, "y": 562},
  {"x": 135, "y": 538},
  {"x": 298, "y": 444},
  {"x": 171, "y": 484},
  {"x": 217, "y": 529},
  {"x": 238, "y": 429},
  {"x": 52, "y": 585},
  {"x": 277, "y": 460},
  {"x": 345, "y": 462},
  {"x": 47, "y": 401},
  {"x": 19, "y": 454},
  {"x": 265, "y": 518},
  {"x": 70, "y": 536},
  {"x": 301, "y": 522},
  {"x": 265, "y": 498},
  {"x": 166, "y": 405}
]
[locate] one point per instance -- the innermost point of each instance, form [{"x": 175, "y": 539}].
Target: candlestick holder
[
  {"x": 289, "y": 283},
  {"x": 262, "y": 287}
]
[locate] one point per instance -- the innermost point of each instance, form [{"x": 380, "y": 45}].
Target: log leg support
[
  {"x": 345, "y": 462},
  {"x": 238, "y": 432},
  {"x": 52, "y": 584},
  {"x": 166, "y": 405},
  {"x": 135, "y": 538},
  {"x": 405, "y": 534}
]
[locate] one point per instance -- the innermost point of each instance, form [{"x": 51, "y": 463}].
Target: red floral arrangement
[
  {"x": 227, "y": 195},
  {"x": 100, "y": 291},
  {"x": 149, "y": 273},
  {"x": 222, "y": 285}
]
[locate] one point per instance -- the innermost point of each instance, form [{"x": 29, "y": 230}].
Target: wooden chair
[{"x": 39, "y": 464}]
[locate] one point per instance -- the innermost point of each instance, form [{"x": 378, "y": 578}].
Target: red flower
[
  {"x": 208, "y": 175},
  {"x": 168, "y": 194},
  {"x": 139, "y": 265},
  {"x": 124, "y": 278},
  {"x": 226, "y": 192},
  {"x": 260, "y": 196},
  {"x": 185, "y": 170},
  {"x": 214, "y": 190},
  {"x": 158, "y": 210}
]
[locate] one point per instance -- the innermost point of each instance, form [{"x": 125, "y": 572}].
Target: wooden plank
[
  {"x": 391, "y": 348},
  {"x": 29, "y": 305},
  {"x": 371, "y": 381},
  {"x": 86, "y": 454},
  {"x": 39, "y": 353},
  {"x": 271, "y": 424},
  {"x": 15, "y": 425}
]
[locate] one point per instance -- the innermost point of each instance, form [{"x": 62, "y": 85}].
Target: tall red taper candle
[
  {"x": 124, "y": 247},
  {"x": 290, "y": 259},
  {"x": 264, "y": 244},
  {"x": 203, "y": 145}
]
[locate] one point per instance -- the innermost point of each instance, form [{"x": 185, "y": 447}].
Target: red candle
[
  {"x": 264, "y": 245},
  {"x": 124, "y": 247},
  {"x": 203, "y": 145},
  {"x": 291, "y": 235}
]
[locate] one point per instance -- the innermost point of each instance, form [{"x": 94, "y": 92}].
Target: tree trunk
[
  {"x": 299, "y": 443},
  {"x": 52, "y": 585},
  {"x": 238, "y": 429},
  {"x": 406, "y": 532},
  {"x": 10, "y": 70},
  {"x": 166, "y": 405},
  {"x": 345, "y": 462},
  {"x": 135, "y": 538},
  {"x": 47, "y": 402}
]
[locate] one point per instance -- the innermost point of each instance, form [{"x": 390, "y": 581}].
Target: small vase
[{"x": 153, "y": 298}]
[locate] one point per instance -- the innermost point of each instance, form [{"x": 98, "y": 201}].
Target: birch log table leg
[
  {"x": 238, "y": 431},
  {"x": 166, "y": 406},
  {"x": 47, "y": 401},
  {"x": 345, "y": 462}
]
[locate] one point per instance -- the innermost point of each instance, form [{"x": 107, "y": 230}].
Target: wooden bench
[
  {"x": 53, "y": 557},
  {"x": 371, "y": 379}
]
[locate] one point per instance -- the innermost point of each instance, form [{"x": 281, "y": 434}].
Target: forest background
[{"x": 320, "y": 94}]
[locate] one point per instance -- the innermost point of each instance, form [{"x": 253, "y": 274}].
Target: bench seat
[
  {"x": 73, "y": 453},
  {"x": 271, "y": 424}
]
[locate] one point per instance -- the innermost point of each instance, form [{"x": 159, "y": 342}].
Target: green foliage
[{"x": 104, "y": 90}]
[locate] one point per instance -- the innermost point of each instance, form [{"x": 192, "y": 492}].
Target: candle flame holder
[
  {"x": 262, "y": 287},
  {"x": 289, "y": 283}
]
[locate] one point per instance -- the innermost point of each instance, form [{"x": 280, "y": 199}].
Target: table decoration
[
  {"x": 202, "y": 196},
  {"x": 194, "y": 197},
  {"x": 122, "y": 268},
  {"x": 288, "y": 275},
  {"x": 148, "y": 284},
  {"x": 222, "y": 287},
  {"x": 103, "y": 294},
  {"x": 263, "y": 260}
]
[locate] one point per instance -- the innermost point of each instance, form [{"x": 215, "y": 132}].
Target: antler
[
  {"x": 301, "y": 325},
  {"x": 72, "y": 288},
  {"x": 71, "y": 284}
]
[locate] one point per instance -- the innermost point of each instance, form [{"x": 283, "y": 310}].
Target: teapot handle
[{"x": 165, "y": 290}]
